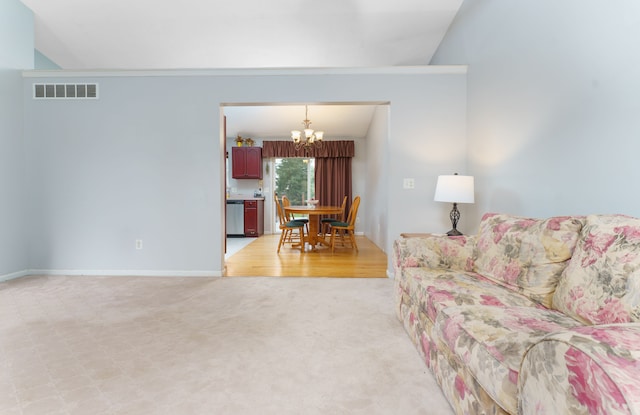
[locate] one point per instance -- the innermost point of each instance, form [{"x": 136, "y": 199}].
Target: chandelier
[{"x": 311, "y": 138}]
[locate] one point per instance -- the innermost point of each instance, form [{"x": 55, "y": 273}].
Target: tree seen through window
[{"x": 295, "y": 179}]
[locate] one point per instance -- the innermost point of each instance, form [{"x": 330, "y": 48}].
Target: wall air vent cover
[{"x": 65, "y": 91}]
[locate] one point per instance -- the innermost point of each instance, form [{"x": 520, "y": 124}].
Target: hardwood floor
[{"x": 260, "y": 258}]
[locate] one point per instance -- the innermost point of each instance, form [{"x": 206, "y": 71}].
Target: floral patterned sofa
[{"x": 529, "y": 316}]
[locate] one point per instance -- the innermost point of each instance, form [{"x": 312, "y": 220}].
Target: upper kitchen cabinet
[{"x": 246, "y": 162}]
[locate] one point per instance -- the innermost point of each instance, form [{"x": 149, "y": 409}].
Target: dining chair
[
  {"x": 347, "y": 227},
  {"x": 290, "y": 237},
  {"x": 287, "y": 227},
  {"x": 290, "y": 216},
  {"x": 283, "y": 202},
  {"x": 326, "y": 222}
]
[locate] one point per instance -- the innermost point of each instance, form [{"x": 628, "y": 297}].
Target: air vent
[{"x": 65, "y": 91}]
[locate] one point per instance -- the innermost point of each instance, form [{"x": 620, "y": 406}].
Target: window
[{"x": 295, "y": 178}]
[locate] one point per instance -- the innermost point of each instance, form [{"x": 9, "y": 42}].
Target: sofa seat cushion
[
  {"x": 601, "y": 284},
  {"x": 436, "y": 289},
  {"x": 524, "y": 254},
  {"x": 491, "y": 342},
  {"x": 588, "y": 369}
]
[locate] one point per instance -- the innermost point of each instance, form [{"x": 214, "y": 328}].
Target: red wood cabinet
[
  {"x": 253, "y": 217},
  {"x": 246, "y": 162}
]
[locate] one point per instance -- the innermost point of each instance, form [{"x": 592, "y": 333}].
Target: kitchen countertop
[{"x": 244, "y": 197}]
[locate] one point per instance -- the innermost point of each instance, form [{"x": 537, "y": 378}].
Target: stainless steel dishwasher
[{"x": 235, "y": 218}]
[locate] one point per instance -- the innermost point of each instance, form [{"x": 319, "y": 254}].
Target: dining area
[
  {"x": 281, "y": 253},
  {"x": 311, "y": 212},
  {"x": 316, "y": 227},
  {"x": 303, "y": 246}
]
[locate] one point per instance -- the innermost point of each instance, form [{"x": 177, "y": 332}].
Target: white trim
[
  {"x": 125, "y": 272},
  {"x": 387, "y": 70},
  {"x": 14, "y": 275}
]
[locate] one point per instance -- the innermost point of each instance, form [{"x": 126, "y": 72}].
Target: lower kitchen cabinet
[{"x": 253, "y": 217}]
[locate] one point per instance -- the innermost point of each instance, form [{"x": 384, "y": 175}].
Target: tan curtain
[
  {"x": 333, "y": 181},
  {"x": 283, "y": 149}
]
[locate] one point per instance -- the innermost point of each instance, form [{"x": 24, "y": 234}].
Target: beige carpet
[{"x": 120, "y": 345}]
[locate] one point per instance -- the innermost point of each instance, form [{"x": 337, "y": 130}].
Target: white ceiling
[
  {"x": 277, "y": 121},
  {"x": 201, "y": 34},
  {"x": 170, "y": 34}
]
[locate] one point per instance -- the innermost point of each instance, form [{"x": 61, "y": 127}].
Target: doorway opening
[{"x": 365, "y": 123}]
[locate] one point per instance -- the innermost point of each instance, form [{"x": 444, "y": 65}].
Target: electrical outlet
[
  {"x": 138, "y": 243},
  {"x": 408, "y": 184}
]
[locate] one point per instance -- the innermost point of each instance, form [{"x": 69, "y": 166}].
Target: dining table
[{"x": 314, "y": 212}]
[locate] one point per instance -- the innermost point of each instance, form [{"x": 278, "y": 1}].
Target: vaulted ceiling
[{"x": 169, "y": 34}]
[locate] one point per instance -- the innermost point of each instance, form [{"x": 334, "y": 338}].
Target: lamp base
[{"x": 455, "y": 217}]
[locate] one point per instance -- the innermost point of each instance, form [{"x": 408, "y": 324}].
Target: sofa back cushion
[
  {"x": 601, "y": 284},
  {"x": 524, "y": 254}
]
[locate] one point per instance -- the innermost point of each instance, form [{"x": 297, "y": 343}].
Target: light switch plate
[{"x": 408, "y": 184}]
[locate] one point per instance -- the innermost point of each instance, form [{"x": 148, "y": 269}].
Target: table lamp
[{"x": 454, "y": 189}]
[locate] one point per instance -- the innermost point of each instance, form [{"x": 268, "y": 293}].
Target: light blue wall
[
  {"x": 42, "y": 62},
  {"x": 145, "y": 161},
  {"x": 377, "y": 165},
  {"x": 16, "y": 53},
  {"x": 553, "y": 108},
  {"x": 16, "y": 35},
  {"x": 549, "y": 106}
]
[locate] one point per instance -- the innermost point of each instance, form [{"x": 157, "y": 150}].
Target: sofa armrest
[
  {"x": 589, "y": 369},
  {"x": 435, "y": 251}
]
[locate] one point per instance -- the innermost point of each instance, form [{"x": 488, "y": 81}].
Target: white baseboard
[
  {"x": 13, "y": 275},
  {"x": 120, "y": 273}
]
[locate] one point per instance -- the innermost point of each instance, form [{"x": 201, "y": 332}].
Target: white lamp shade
[{"x": 454, "y": 189}]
